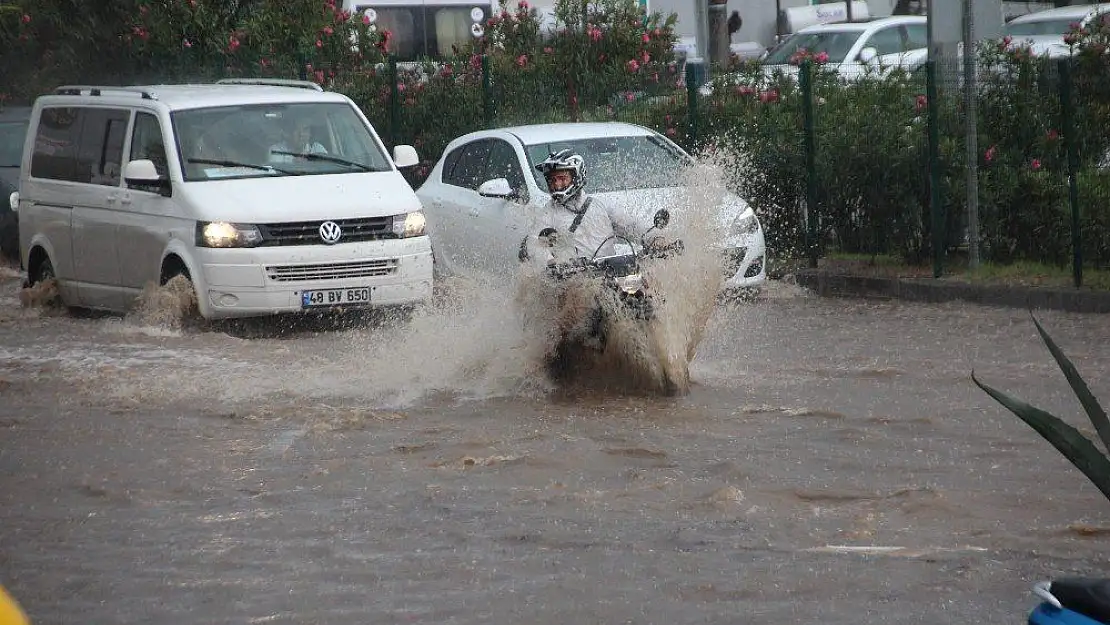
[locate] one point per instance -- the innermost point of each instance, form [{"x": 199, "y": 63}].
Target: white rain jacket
[{"x": 599, "y": 222}]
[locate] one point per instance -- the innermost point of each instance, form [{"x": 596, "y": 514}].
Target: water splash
[{"x": 170, "y": 306}]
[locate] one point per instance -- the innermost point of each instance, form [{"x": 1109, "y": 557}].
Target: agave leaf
[
  {"x": 1068, "y": 440},
  {"x": 1090, "y": 404}
]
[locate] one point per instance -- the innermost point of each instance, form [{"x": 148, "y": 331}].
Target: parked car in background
[
  {"x": 265, "y": 196},
  {"x": 476, "y": 230},
  {"x": 13, "y": 132},
  {"x": 852, "y": 49},
  {"x": 1044, "y": 31}
]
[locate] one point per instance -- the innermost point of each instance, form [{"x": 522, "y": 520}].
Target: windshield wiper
[
  {"x": 313, "y": 156},
  {"x": 226, "y": 163}
]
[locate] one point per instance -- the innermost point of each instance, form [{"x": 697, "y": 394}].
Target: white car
[
  {"x": 1044, "y": 31},
  {"x": 626, "y": 164},
  {"x": 854, "y": 49}
]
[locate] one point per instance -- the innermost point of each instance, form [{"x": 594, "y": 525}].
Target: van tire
[{"x": 41, "y": 271}]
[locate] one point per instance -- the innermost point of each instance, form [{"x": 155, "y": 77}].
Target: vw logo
[{"x": 330, "y": 232}]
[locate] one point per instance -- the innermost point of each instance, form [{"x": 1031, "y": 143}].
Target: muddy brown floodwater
[{"x": 832, "y": 463}]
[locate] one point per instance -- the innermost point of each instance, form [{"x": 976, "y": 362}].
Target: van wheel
[
  {"x": 174, "y": 304},
  {"x": 41, "y": 289}
]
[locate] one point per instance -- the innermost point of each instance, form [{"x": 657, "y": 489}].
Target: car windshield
[
  {"x": 835, "y": 43},
  {"x": 12, "y": 135},
  {"x": 249, "y": 141},
  {"x": 618, "y": 163},
  {"x": 1041, "y": 27}
]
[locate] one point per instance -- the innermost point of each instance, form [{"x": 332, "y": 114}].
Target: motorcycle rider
[{"x": 581, "y": 223}]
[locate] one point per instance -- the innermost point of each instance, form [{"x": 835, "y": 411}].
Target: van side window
[
  {"x": 100, "y": 148},
  {"x": 147, "y": 144},
  {"x": 55, "y": 155}
]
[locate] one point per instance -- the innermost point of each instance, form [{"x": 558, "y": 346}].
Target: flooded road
[{"x": 832, "y": 463}]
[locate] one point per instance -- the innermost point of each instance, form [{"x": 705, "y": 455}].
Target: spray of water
[{"x": 170, "y": 306}]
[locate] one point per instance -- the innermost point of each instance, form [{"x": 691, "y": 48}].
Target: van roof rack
[
  {"x": 95, "y": 90},
  {"x": 272, "y": 82}
]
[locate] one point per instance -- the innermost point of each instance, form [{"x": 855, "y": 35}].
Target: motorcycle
[
  {"x": 620, "y": 293},
  {"x": 1072, "y": 601}
]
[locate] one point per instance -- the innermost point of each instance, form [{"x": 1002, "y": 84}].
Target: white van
[{"x": 270, "y": 196}]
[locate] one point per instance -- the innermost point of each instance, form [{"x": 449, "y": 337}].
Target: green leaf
[
  {"x": 1090, "y": 404},
  {"x": 1069, "y": 441}
]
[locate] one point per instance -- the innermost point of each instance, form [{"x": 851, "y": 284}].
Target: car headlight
[
  {"x": 223, "y": 234},
  {"x": 409, "y": 225},
  {"x": 745, "y": 225}
]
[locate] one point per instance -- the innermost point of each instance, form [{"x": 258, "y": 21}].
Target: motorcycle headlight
[
  {"x": 630, "y": 284},
  {"x": 409, "y": 225},
  {"x": 745, "y": 225},
  {"x": 224, "y": 234}
]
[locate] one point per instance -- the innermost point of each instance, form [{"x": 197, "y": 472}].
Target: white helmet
[{"x": 565, "y": 160}]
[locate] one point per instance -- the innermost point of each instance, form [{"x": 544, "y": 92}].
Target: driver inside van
[{"x": 298, "y": 140}]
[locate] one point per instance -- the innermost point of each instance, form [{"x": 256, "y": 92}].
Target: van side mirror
[
  {"x": 405, "y": 156},
  {"x": 868, "y": 54},
  {"x": 143, "y": 175},
  {"x": 13, "y": 201}
]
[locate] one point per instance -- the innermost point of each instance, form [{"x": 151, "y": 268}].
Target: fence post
[
  {"x": 935, "y": 212},
  {"x": 302, "y": 70},
  {"x": 691, "y": 107},
  {"x": 487, "y": 93},
  {"x": 809, "y": 143},
  {"x": 1067, "y": 110},
  {"x": 394, "y": 103}
]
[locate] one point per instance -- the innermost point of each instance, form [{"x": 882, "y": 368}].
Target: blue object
[{"x": 1046, "y": 614}]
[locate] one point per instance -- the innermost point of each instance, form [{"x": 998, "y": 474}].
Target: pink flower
[
  {"x": 232, "y": 44},
  {"x": 769, "y": 96},
  {"x": 646, "y": 38},
  {"x": 671, "y": 132},
  {"x": 319, "y": 44},
  {"x": 186, "y": 43},
  {"x": 745, "y": 90},
  {"x": 989, "y": 155},
  {"x": 633, "y": 66},
  {"x": 1006, "y": 41},
  {"x": 319, "y": 76},
  {"x": 1036, "y": 164},
  {"x": 522, "y": 60},
  {"x": 366, "y": 20},
  {"x": 264, "y": 62},
  {"x": 192, "y": 4},
  {"x": 26, "y": 19},
  {"x": 594, "y": 32},
  {"x": 476, "y": 61},
  {"x": 522, "y": 5},
  {"x": 400, "y": 87},
  {"x": 922, "y": 102},
  {"x": 328, "y": 30},
  {"x": 822, "y": 57},
  {"x": 667, "y": 119},
  {"x": 629, "y": 97},
  {"x": 447, "y": 71},
  {"x": 1052, "y": 135}
]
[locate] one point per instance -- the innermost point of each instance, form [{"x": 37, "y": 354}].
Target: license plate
[{"x": 335, "y": 297}]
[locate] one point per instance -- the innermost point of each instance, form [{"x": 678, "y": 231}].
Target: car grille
[
  {"x": 333, "y": 271},
  {"x": 733, "y": 259},
  {"x": 308, "y": 232}
]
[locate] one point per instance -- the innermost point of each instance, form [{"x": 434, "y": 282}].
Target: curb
[{"x": 938, "y": 291}]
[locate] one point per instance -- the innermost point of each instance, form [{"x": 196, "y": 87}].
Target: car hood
[
  {"x": 1052, "y": 46},
  {"x": 643, "y": 204},
  {"x": 301, "y": 198}
]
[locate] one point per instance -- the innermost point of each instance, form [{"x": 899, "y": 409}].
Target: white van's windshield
[{"x": 254, "y": 140}]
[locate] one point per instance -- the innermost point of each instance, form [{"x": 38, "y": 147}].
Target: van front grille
[
  {"x": 333, "y": 271},
  {"x": 308, "y": 232}
]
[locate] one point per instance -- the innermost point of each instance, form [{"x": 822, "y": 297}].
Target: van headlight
[
  {"x": 224, "y": 234},
  {"x": 745, "y": 225},
  {"x": 409, "y": 225}
]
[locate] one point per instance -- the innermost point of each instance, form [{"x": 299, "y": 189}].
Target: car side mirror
[
  {"x": 868, "y": 55},
  {"x": 143, "y": 174},
  {"x": 498, "y": 187},
  {"x": 662, "y": 218},
  {"x": 13, "y": 201},
  {"x": 405, "y": 156}
]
